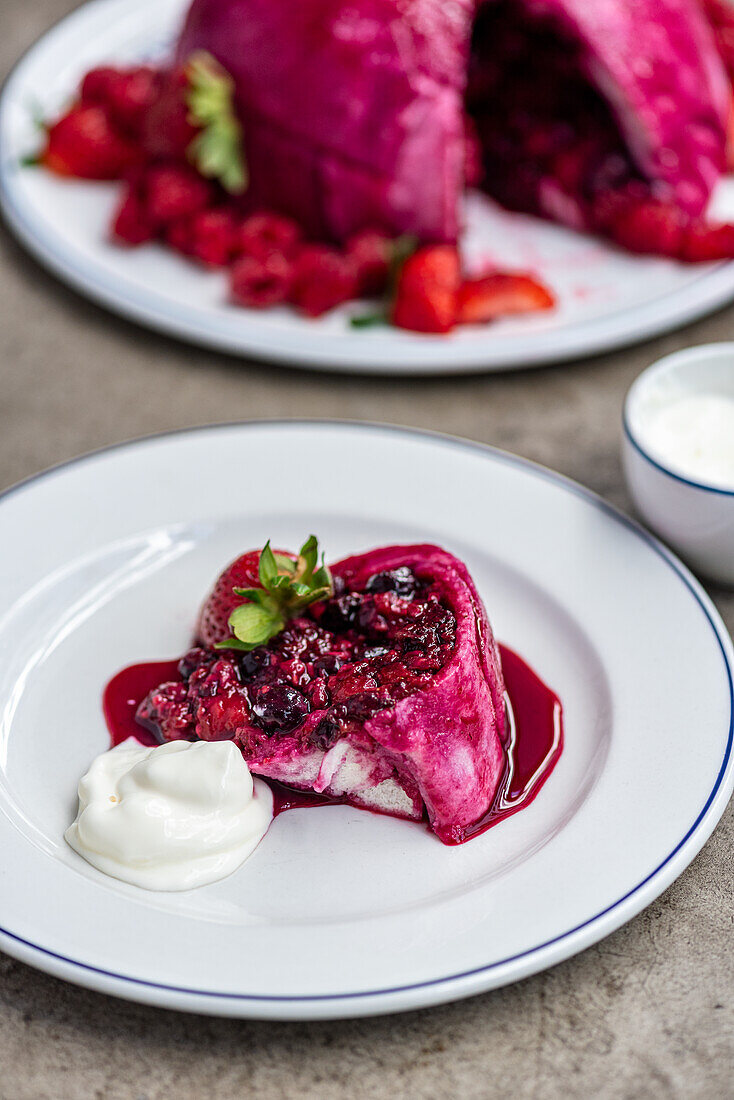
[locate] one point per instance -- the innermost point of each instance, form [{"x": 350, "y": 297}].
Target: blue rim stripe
[{"x": 510, "y": 460}]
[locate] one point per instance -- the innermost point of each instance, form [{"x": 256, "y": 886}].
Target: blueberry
[
  {"x": 326, "y": 733},
  {"x": 278, "y": 708},
  {"x": 253, "y": 662},
  {"x": 363, "y": 706},
  {"x": 194, "y": 659},
  {"x": 340, "y": 613},
  {"x": 401, "y": 581},
  {"x": 327, "y": 665}
]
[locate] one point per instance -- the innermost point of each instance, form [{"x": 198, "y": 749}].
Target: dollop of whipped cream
[{"x": 171, "y": 817}]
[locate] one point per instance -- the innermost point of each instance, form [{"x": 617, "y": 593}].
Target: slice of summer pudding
[{"x": 377, "y": 682}]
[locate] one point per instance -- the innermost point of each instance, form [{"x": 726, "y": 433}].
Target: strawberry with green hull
[{"x": 377, "y": 681}]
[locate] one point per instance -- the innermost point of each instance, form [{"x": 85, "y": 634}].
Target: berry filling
[
  {"x": 324, "y": 675},
  {"x": 549, "y": 144}
]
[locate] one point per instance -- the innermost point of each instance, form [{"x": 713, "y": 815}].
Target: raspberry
[
  {"x": 165, "y": 129},
  {"x": 703, "y": 242},
  {"x": 260, "y": 283},
  {"x": 175, "y": 191},
  {"x": 179, "y": 236},
  {"x": 126, "y": 93},
  {"x": 214, "y": 236},
  {"x": 131, "y": 225},
  {"x": 648, "y": 227},
  {"x": 322, "y": 279},
  {"x": 370, "y": 253},
  {"x": 266, "y": 232}
]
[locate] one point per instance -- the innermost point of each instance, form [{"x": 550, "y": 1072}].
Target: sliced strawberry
[
  {"x": 261, "y": 283},
  {"x": 131, "y": 224},
  {"x": 427, "y": 289},
  {"x": 266, "y": 232},
  {"x": 126, "y": 93},
  {"x": 501, "y": 295},
  {"x": 214, "y": 236},
  {"x": 174, "y": 191},
  {"x": 322, "y": 279},
  {"x": 370, "y": 252},
  {"x": 85, "y": 144}
]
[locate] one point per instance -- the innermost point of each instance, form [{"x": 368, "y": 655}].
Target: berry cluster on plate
[
  {"x": 173, "y": 138},
  {"x": 334, "y": 167}
]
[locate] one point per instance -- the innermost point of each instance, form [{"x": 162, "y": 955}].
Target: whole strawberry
[
  {"x": 213, "y": 624},
  {"x": 85, "y": 144},
  {"x": 255, "y": 596}
]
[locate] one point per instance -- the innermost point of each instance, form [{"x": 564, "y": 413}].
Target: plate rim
[
  {"x": 476, "y": 979},
  {"x": 418, "y": 355}
]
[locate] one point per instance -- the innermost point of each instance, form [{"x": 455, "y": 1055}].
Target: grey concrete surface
[{"x": 649, "y": 1012}]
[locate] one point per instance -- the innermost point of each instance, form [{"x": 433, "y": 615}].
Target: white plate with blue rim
[
  {"x": 606, "y": 298},
  {"x": 340, "y": 912}
]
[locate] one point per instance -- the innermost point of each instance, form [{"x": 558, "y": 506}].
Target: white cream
[
  {"x": 171, "y": 817},
  {"x": 694, "y": 436}
]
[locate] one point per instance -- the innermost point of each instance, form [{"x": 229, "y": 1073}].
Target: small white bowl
[{"x": 696, "y": 519}]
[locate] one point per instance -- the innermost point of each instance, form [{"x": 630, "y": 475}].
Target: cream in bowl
[{"x": 678, "y": 454}]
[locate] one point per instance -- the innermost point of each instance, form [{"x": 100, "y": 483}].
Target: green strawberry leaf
[
  {"x": 287, "y": 587},
  {"x": 217, "y": 151},
  {"x": 268, "y": 566},
  {"x": 285, "y": 565},
  {"x": 254, "y": 625}
]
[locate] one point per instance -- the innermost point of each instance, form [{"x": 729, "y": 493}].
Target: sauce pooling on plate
[{"x": 534, "y": 739}]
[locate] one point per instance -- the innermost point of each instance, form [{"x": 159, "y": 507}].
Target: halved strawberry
[
  {"x": 500, "y": 295},
  {"x": 426, "y": 294},
  {"x": 85, "y": 144}
]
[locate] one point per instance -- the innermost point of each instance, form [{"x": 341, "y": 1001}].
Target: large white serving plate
[
  {"x": 340, "y": 912},
  {"x": 606, "y": 298}
]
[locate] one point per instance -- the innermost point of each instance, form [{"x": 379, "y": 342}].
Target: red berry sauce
[{"x": 534, "y": 744}]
